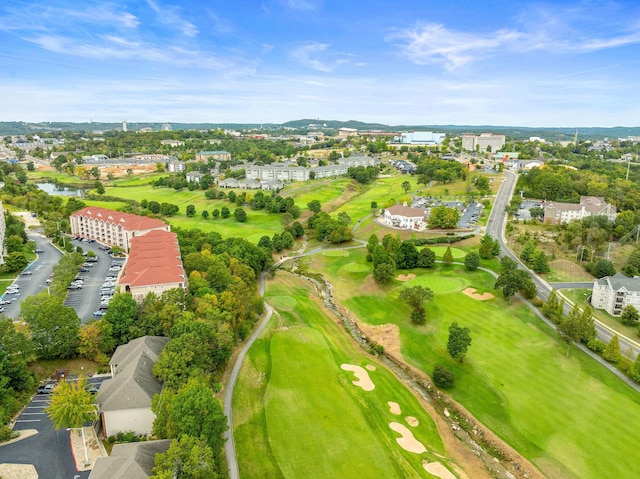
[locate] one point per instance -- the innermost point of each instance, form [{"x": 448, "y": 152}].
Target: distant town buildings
[
  {"x": 176, "y": 166},
  {"x": 288, "y": 172},
  {"x": 420, "y": 138},
  {"x": 219, "y": 155},
  {"x": 483, "y": 142},
  {"x": 614, "y": 293},
  {"x": 347, "y": 132},
  {"x": 557, "y": 213}
]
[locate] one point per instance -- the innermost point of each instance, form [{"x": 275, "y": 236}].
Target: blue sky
[{"x": 490, "y": 62}]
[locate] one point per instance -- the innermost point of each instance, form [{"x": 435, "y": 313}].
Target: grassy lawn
[
  {"x": 565, "y": 414},
  {"x": 258, "y": 223},
  {"x": 46, "y": 176},
  {"x": 298, "y": 414}
]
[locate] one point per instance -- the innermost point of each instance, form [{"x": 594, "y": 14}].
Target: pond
[{"x": 57, "y": 190}]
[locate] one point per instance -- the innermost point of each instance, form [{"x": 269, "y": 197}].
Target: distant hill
[{"x": 514, "y": 132}]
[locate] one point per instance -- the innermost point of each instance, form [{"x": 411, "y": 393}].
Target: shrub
[
  {"x": 443, "y": 377},
  {"x": 596, "y": 346},
  {"x": 6, "y": 433}
]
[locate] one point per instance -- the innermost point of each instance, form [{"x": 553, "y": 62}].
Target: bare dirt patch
[
  {"x": 471, "y": 292},
  {"x": 394, "y": 408},
  {"x": 405, "y": 277},
  {"x": 387, "y": 335},
  {"x": 569, "y": 270},
  {"x": 438, "y": 470},
  {"x": 363, "y": 380},
  {"x": 407, "y": 441},
  {"x": 370, "y": 367}
]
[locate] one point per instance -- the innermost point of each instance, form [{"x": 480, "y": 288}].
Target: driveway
[{"x": 37, "y": 274}]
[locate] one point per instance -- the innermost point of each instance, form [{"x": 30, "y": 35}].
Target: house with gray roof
[
  {"x": 124, "y": 401},
  {"x": 134, "y": 460},
  {"x": 272, "y": 185},
  {"x": 229, "y": 183},
  {"x": 250, "y": 184},
  {"x": 194, "y": 176},
  {"x": 614, "y": 293}
]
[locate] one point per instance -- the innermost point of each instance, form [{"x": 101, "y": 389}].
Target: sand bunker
[
  {"x": 370, "y": 367},
  {"x": 405, "y": 277},
  {"x": 363, "y": 381},
  {"x": 471, "y": 292},
  {"x": 407, "y": 441},
  {"x": 412, "y": 421},
  {"x": 394, "y": 408},
  {"x": 438, "y": 470}
]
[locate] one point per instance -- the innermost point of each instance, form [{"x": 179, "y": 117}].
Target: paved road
[
  {"x": 33, "y": 283},
  {"x": 230, "y": 446},
  {"x": 495, "y": 227},
  {"x": 572, "y": 285}
]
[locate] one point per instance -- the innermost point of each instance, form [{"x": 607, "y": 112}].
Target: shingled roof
[
  {"x": 619, "y": 281},
  {"x": 406, "y": 211},
  {"x": 134, "y": 460},
  {"x": 133, "y": 384}
]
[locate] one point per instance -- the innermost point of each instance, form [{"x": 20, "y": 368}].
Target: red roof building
[
  {"x": 112, "y": 227},
  {"x": 154, "y": 265}
]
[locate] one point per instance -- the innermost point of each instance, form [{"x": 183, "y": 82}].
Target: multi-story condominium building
[
  {"x": 614, "y": 293},
  {"x": 111, "y": 227},
  {"x": 218, "y": 155},
  {"x": 2, "y": 232},
  {"x": 556, "y": 212},
  {"x": 483, "y": 141},
  {"x": 153, "y": 265},
  {"x": 300, "y": 173}
]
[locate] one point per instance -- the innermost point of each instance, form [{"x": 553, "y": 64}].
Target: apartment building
[
  {"x": 218, "y": 155},
  {"x": 483, "y": 142},
  {"x": 614, "y": 293},
  {"x": 557, "y": 213}
]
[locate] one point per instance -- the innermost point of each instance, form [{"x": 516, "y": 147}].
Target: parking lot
[
  {"x": 469, "y": 217},
  {"x": 95, "y": 283},
  {"x": 523, "y": 212},
  {"x": 48, "y": 450}
]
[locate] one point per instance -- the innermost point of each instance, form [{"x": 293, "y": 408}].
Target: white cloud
[
  {"x": 318, "y": 56},
  {"x": 170, "y": 16}
]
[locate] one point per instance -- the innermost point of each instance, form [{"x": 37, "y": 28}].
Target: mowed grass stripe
[
  {"x": 516, "y": 378},
  {"x": 303, "y": 378}
]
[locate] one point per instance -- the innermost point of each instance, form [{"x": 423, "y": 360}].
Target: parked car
[
  {"x": 92, "y": 388},
  {"x": 39, "y": 251},
  {"x": 46, "y": 388},
  {"x": 4, "y": 301},
  {"x": 99, "y": 313},
  {"x": 26, "y": 273}
]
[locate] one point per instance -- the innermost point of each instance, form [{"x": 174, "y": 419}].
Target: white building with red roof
[
  {"x": 403, "y": 216},
  {"x": 154, "y": 265},
  {"x": 112, "y": 227}
]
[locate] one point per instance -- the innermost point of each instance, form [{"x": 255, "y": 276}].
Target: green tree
[
  {"x": 486, "y": 247},
  {"x": 16, "y": 261},
  {"x": 515, "y": 280},
  {"x": 447, "y": 257},
  {"x": 634, "y": 370},
  {"x": 612, "y": 352},
  {"x": 54, "y": 327},
  {"x": 99, "y": 188},
  {"x": 240, "y": 215},
  {"x": 406, "y": 186},
  {"x": 191, "y": 210},
  {"x": 315, "y": 206},
  {"x": 553, "y": 308},
  {"x": 71, "y": 405},
  {"x": 415, "y": 297},
  {"x": 205, "y": 214},
  {"x": 122, "y": 312},
  {"x": 459, "y": 341},
  {"x": 602, "y": 268},
  {"x": 528, "y": 252},
  {"x": 426, "y": 258},
  {"x": 540, "y": 263},
  {"x": 154, "y": 207},
  {"x": 372, "y": 243},
  {"x": 383, "y": 273},
  {"x": 629, "y": 315},
  {"x": 187, "y": 458},
  {"x": 224, "y": 212},
  {"x": 472, "y": 261},
  {"x": 195, "y": 411},
  {"x": 443, "y": 377},
  {"x": 406, "y": 255}
]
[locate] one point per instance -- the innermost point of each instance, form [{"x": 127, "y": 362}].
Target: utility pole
[{"x": 628, "y": 167}]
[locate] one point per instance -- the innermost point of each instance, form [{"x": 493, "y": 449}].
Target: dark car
[
  {"x": 92, "y": 388},
  {"x": 39, "y": 251}
]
